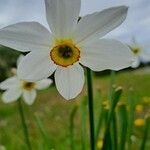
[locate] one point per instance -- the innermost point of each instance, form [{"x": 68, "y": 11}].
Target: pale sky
[{"x": 136, "y": 25}]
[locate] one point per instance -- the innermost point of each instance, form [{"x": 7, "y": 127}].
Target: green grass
[{"x": 54, "y": 113}]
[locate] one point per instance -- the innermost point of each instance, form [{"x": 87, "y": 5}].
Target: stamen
[
  {"x": 65, "y": 53},
  {"x": 135, "y": 50},
  {"x": 28, "y": 85}
]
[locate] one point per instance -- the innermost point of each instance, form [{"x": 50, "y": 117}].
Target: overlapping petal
[
  {"x": 9, "y": 83},
  {"x": 45, "y": 83},
  {"x": 20, "y": 58},
  {"x": 99, "y": 23},
  {"x": 106, "y": 54},
  {"x": 69, "y": 81},
  {"x": 29, "y": 96},
  {"x": 62, "y": 15},
  {"x": 11, "y": 95},
  {"x": 36, "y": 66},
  {"x": 25, "y": 36},
  {"x": 136, "y": 62}
]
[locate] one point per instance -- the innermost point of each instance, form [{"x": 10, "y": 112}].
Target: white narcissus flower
[
  {"x": 141, "y": 54},
  {"x": 15, "y": 88},
  {"x": 69, "y": 44}
]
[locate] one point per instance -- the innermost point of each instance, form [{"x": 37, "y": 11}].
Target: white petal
[
  {"x": 36, "y": 66},
  {"x": 106, "y": 54},
  {"x": 62, "y": 15},
  {"x": 9, "y": 83},
  {"x": 99, "y": 23},
  {"x": 43, "y": 84},
  {"x": 29, "y": 96},
  {"x": 11, "y": 95},
  {"x": 136, "y": 62},
  {"x": 20, "y": 58},
  {"x": 25, "y": 36},
  {"x": 69, "y": 81}
]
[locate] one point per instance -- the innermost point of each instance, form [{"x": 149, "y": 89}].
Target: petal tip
[{"x": 124, "y": 7}]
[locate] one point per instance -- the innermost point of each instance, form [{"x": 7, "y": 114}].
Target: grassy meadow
[{"x": 57, "y": 124}]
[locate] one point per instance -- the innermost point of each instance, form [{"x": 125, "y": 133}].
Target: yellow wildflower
[
  {"x": 139, "y": 108},
  {"x": 146, "y": 100},
  {"x": 139, "y": 122},
  {"x": 99, "y": 144}
]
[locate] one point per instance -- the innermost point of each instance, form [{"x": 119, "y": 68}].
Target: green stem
[
  {"x": 107, "y": 145},
  {"x": 24, "y": 125},
  {"x": 123, "y": 126},
  {"x": 114, "y": 132},
  {"x": 146, "y": 133},
  {"x": 131, "y": 114},
  {"x": 91, "y": 112},
  {"x": 112, "y": 82}
]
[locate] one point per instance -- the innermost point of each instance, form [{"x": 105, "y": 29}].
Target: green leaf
[
  {"x": 146, "y": 133},
  {"x": 72, "y": 127},
  {"x": 107, "y": 135},
  {"x": 114, "y": 132},
  {"x": 123, "y": 125},
  {"x": 99, "y": 120},
  {"x": 46, "y": 139},
  {"x": 131, "y": 113}
]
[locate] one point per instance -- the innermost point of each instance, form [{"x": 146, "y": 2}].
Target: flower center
[
  {"x": 135, "y": 50},
  {"x": 65, "y": 53},
  {"x": 28, "y": 85}
]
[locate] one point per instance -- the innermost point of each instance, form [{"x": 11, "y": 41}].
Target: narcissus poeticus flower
[
  {"x": 15, "y": 88},
  {"x": 68, "y": 44},
  {"x": 141, "y": 54}
]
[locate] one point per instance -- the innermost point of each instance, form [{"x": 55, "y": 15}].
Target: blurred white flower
[
  {"x": 15, "y": 88},
  {"x": 69, "y": 44},
  {"x": 2, "y": 147},
  {"x": 140, "y": 52}
]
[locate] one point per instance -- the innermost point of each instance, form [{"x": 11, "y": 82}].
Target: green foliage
[
  {"x": 72, "y": 127},
  {"x": 122, "y": 112},
  {"x": 83, "y": 122},
  {"x": 46, "y": 140},
  {"x": 115, "y": 97},
  {"x": 146, "y": 133},
  {"x": 8, "y": 59}
]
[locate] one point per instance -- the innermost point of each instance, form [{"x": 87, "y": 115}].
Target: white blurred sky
[{"x": 136, "y": 25}]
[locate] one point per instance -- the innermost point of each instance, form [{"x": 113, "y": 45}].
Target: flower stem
[
  {"x": 90, "y": 103},
  {"x": 24, "y": 125},
  {"x": 146, "y": 133}
]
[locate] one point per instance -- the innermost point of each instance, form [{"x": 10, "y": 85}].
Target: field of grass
[{"x": 54, "y": 113}]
